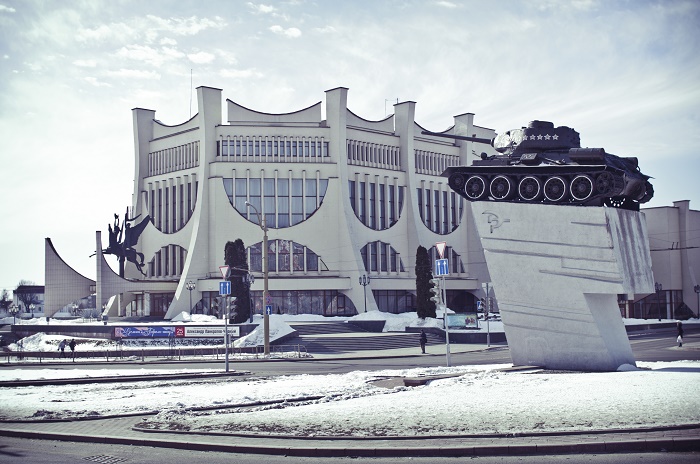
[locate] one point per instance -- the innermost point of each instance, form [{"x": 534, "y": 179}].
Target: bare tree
[
  {"x": 5, "y": 300},
  {"x": 27, "y": 293}
]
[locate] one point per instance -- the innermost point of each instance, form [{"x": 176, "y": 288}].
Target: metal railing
[{"x": 116, "y": 354}]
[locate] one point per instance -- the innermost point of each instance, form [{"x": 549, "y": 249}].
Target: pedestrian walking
[
  {"x": 62, "y": 348},
  {"x": 680, "y": 341},
  {"x": 423, "y": 340},
  {"x": 72, "y": 347},
  {"x": 680, "y": 329}
]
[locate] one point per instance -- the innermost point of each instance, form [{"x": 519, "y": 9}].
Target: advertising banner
[
  {"x": 175, "y": 331},
  {"x": 144, "y": 332},
  {"x": 462, "y": 321},
  {"x": 209, "y": 331}
]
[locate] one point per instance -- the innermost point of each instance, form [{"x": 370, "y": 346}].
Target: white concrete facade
[
  {"x": 349, "y": 197},
  {"x": 557, "y": 271}
]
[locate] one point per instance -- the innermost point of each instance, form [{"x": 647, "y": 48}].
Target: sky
[{"x": 624, "y": 74}]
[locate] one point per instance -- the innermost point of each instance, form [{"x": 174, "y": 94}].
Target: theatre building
[{"x": 342, "y": 198}]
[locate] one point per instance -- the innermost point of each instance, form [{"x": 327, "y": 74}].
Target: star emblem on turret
[
  {"x": 555, "y": 137},
  {"x": 539, "y": 137},
  {"x": 547, "y": 137}
]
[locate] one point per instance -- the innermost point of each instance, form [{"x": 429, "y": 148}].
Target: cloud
[
  {"x": 85, "y": 63},
  {"x": 325, "y": 30},
  {"x": 148, "y": 54},
  {"x": 261, "y": 9},
  {"x": 134, "y": 74},
  {"x": 168, "y": 41},
  {"x": 292, "y": 32},
  {"x": 240, "y": 73},
  {"x": 447, "y": 4},
  {"x": 201, "y": 57},
  {"x": 186, "y": 26},
  {"x": 6, "y": 9},
  {"x": 95, "y": 82}
]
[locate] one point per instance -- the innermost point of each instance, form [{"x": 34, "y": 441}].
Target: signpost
[{"x": 224, "y": 288}]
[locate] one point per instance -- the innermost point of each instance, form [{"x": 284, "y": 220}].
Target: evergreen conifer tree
[
  {"x": 424, "y": 272},
  {"x": 235, "y": 258}
]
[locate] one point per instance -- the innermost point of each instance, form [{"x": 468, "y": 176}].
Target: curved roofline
[
  {"x": 369, "y": 120},
  {"x": 175, "y": 125},
  {"x": 443, "y": 132},
  {"x": 53, "y": 248},
  {"x": 228, "y": 100}
]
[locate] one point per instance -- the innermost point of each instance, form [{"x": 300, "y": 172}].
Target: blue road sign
[
  {"x": 442, "y": 267},
  {"x": 224, "y": 287},
  {"x": 268, "y": 309}
]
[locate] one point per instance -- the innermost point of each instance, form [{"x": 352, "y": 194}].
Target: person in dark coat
[
  {"x": 72, "y": 347},
  {"x": 423, "y": 340},
  {"x": 62, "y": 348}
]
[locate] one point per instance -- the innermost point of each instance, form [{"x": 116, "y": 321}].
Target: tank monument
[{"x": 563, "y": 237}]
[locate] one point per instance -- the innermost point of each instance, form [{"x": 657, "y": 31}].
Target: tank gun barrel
[{"x": 458, "y": 137}]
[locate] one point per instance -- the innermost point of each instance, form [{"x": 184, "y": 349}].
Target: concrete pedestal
[{"x": 557, "y": 272}]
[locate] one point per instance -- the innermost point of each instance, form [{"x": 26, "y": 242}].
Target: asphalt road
[{"x": 656, "y": 345}]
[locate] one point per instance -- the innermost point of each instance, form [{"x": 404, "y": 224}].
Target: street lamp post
[
  {"x": 266, "y": 316},
  {"x": 697, "y": 292},
  {"x": 658, "y": 287},
  {"x": 14, "y": 309},
  {"x": 190, "y": 286},
  {"x": 364, "y": 281}
]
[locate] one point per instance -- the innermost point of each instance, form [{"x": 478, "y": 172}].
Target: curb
[{"x": 676, "y": 444}]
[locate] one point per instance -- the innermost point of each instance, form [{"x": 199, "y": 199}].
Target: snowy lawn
[{"x": 480, "y": 399}]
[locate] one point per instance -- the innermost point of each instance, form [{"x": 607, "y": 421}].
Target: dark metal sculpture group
[{"x": 122, "y": 240}]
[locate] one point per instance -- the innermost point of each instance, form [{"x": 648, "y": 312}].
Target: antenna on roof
[{"x": 389, "y": 100}]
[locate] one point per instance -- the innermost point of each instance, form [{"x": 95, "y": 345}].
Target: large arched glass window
[
  {"x": 284, "y": 202},
  {"x": 285, "y": 256},
  {"x": 381, "y": 257},
  {"x": 378, "y": 206},
  {"x": 440, "y": 211}
]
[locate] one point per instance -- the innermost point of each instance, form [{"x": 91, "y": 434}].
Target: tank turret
[{"x": 541, "y": 163}]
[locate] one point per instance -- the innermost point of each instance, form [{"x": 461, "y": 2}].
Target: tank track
[{"x": 562, "y": 185}]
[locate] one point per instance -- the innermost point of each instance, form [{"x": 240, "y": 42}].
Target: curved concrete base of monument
[{"x": 557, "y": 272}]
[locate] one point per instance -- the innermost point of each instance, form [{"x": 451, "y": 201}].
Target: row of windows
[
  {"x": 373, "y": 154},
  {"x": 381, "y": 257},
  {"x": 283, "y": 202},
  {"x": 298, "y": 147},
  {"x": 378, "y": 206},
  {"x": 173, "y": 159},
  {"x": 284, "y": 256},
  {"x": 440, "y": 211},
  {"x": 171, "y": 206},
  {"x": 169, "y": 261},
  {"x": 428, "y": 162}
]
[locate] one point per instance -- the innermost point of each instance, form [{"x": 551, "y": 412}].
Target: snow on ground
[{"x": 478, "y": 399}]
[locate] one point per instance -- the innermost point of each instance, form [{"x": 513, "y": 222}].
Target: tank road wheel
[
  {"x": 501, "y": 188},
  {"x": 604, "y": 183},
  {"x": 530, "y": 188},
  {"x": 581, "y": 187},
  {"x": 555, "y": 189},
  {"x": 457, "y": 181},
  {"x": 475, "y": 188}
]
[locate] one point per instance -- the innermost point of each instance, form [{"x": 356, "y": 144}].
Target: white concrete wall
[{"x": 556, "y": 272}]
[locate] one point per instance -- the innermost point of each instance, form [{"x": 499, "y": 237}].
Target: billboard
[
  {"x": 462, "y": 321},
  {"x": 180, "y": 331}
]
